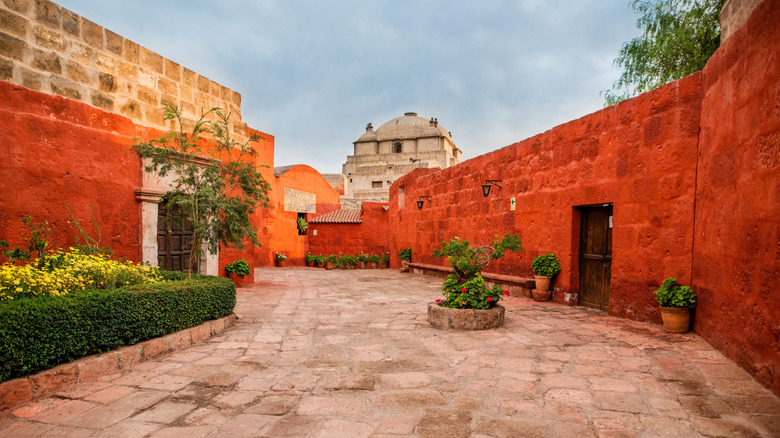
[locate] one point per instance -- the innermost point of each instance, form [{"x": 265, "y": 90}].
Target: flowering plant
[
  {"x": 671, "y": 294},
  {"x": 280, "y": 256},
  {"x": 362, "y": 258},
  {"x": 465, "y": 288}
]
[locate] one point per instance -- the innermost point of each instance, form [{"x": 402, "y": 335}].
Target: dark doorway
[
  {"x": 595, "y": 255},
  {"x": 174, "y": 240}
]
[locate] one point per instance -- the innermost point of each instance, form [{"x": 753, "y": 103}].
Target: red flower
[
  {"x": 490, "y": 299},
  {"x": 463, "y": 289},
  {"x": 438, "y": 301},
  {"x": 462, "y": 279},
  {"x": 505, "y": 292},
  {"x": 660, "y": 282}
]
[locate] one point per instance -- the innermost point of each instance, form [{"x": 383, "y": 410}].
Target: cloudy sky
[{"x": 314, "y": 72}]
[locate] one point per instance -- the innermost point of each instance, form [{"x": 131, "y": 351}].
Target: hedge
[{"x": 41, "y": 332}]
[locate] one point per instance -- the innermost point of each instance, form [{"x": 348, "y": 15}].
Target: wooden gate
[
  {"x": 174, "y": 241},
  {"x": 595, "y": 256}
]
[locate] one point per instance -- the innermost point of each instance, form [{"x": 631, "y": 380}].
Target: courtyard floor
[{"x": 350, "y": 354}]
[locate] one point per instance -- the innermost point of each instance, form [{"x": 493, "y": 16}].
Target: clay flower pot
[
  {"x": 541, "y": 295},
  {"x": 542, "y": 283},
  {"x": 240, "y": 280},
  {"x": 329, "y": 265},
  {"x": 310, "y": 264},
  {"x": 676, "y": 319},
  {"x": 280, "y": 263}
]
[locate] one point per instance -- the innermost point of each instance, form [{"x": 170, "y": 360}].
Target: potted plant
[
  {"x": 373, "y": 260},
  {"x": 320, "y": 261},
  {"x": 545, "y": 267},
  {"x": 239, "y": 271},
  {"x": 468, "y": 303},
  {"x": 352, "y": 261},
  {"x": 676, "y": 303},
  {"x": 311, "y": 260},
  {"x": 406, "y": 256},
  {"x": 384, "y": 261},
  {"x": 302, "y": 226},
  {"x": 330, "y": 261},
  {"x": 362, "y": 260},
  {"x": 280, "y": 259}
]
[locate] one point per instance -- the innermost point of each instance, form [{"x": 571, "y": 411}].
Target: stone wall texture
[{"x": 48, "y": 48}]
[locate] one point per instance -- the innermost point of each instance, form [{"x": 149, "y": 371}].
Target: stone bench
[{"x": 516, "y": 286}]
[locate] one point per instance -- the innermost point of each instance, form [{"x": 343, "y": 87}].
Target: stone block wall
[{"x": 48, "y": 48}]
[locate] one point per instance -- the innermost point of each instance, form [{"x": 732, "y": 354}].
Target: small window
[
  {"x": 376, "y": 184},
  {"x": 398, "y": 148}
]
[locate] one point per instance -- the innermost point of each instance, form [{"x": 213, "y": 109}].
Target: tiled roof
[{"x": 338, "y": 217}]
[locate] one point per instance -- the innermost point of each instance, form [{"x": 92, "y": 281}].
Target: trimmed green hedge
[{"x": 42, "y": 332}]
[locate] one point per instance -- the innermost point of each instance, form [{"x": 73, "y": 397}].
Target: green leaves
[
  {"x": 670, "y": 294},
  {"x": 679, "y": 36},
  {"x": 546, "y": 265},
  {"x": 239, "y": 267},
  {"x": 217, "y": 187}
]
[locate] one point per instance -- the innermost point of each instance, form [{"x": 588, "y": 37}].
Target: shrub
[
  {"x": 385, "y": 259},
  {"x": 310, "y": 258},
  {"x": 362, "y": 258},
  {"x": 319, "y": 259},
  {"x": 239, "y": 267},
  {"x": 546, "y": 265},
  {"x": 67, "y": 272},
  {"x": 405, "y": 254},
  {"x": 373, "y": 258},
  {"x": 465, "y": 288},
  {"x": 670, "y": 294},
  {"x": 332, "y": 258},
  {"x": 42, "y": 332}
]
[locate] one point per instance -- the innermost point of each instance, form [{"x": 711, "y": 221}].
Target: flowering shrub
[
  {"x": 66, "y": 272},
  {"x": 465, "y": 288}
]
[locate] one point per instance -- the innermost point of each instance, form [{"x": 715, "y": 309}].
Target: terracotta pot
[
  {"x": 280, "y": 263},
  {"x": 362, "y": 265},
  {"x": 676, "y": 319},
  {"x": 542, "y": 282},
  {"x": 310, "y": 264},
  {"x": 320, "y": 264},
  {"x": 371, "y": 265},
  {"x": 329, "y": 265},
  {"x": 541, "y": 295}
]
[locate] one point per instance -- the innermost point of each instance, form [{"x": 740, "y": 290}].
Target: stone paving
[{"x": 350, "y": 354}]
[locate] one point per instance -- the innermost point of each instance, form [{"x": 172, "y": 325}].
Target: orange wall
[
  {"x": 736, "y": 250},
  {"x": 370, "y": 236}
]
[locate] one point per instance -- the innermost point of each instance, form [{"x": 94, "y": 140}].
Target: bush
[
  {"x": 546, "y": 265},
  {"x": 41, "y": 332},
  {"x": 405, "y": 254},
  {"x": 671, "y": 294},
  {"x": 239, "y": 267}
]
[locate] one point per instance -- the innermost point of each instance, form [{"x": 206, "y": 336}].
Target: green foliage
[
  {"x": 302, "y": 225},
  {"x": 384, "y": 259},
  {"x": 467, "y": 262},
  {"x": 670, "y": 294},
  {"x": 679, "y": 36},
  {"x": 319, "y": 259},
  {"x": 90, "y": 245},
  {"x": 37, "y": 242},
  {"x": 281, "y": 256},
  {"x": 238, "y": 267},
  {"x": 373, "y": 258},
  {"x": 469, "y": 293},
  {"x": 347, "y": 260},
  {"x": 332, "y": 258},
  {"x": 465, "y": 288},
  {"x": 362, "y": 258},
  {"x": 546, "y": 265},
  {"x": 218, "y": 198},
  {"x": 39, "y": 333},
  {"x": 310, "y": 258},
  {"x": 405, "y": 254}
]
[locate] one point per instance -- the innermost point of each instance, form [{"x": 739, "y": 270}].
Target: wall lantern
[
  {"x": 488, "y": 183},
  {"x": 421, "y": 201}
]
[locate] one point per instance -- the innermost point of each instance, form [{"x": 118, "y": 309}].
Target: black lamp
[
  {"x": 421, "y": 201},
  {"x": 488, "y": 183}
]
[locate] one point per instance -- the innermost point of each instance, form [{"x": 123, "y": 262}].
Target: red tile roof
[{"x": 338, "y": 217}]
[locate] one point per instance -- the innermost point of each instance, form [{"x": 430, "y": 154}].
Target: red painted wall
[
  {"x": 56, "y": 150},
  {"x": 639, "y": 155},
  {"x": 736, "y": 251},
  {"x": 370, "y": 236}
]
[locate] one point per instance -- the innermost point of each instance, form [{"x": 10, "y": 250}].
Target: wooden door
[
  {"x": 595, "y": 256},
  {"x": 174, "y": 241}
]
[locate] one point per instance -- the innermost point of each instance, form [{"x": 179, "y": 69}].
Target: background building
[{"x": 395, "y": 149}]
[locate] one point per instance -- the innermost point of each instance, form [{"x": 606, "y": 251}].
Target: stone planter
[
  {"x": 541, "y": 295},
  {"x": 404, "y": 266},
  {"x": 465, "y": 319}
]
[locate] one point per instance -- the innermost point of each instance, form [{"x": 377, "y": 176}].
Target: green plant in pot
[
  {"x": 406, "y": 256},
  {"x": 302, "y": 225},
  {"x": 280, "y": 259},
  {"x": 239, "y": 271},
  {"x": 545, "y": 267},
  {"x": 311, "y": 259},
  {"x": 362, "y": 260},
  {"x": 384, "y": 260},
  {"x": 676, "y": 303},
  {"x": 319, "y": 260},
  {"x": 330, "y": 261},
  {"x": 374, "y": 260}
]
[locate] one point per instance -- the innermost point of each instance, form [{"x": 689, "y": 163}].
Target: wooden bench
[{"x": 516, "y": 286}]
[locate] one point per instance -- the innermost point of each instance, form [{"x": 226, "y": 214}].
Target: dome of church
[{"x": 408, "y": 126}]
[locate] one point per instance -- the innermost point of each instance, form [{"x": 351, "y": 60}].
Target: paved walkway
[{"x": 350, "y": 354}]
